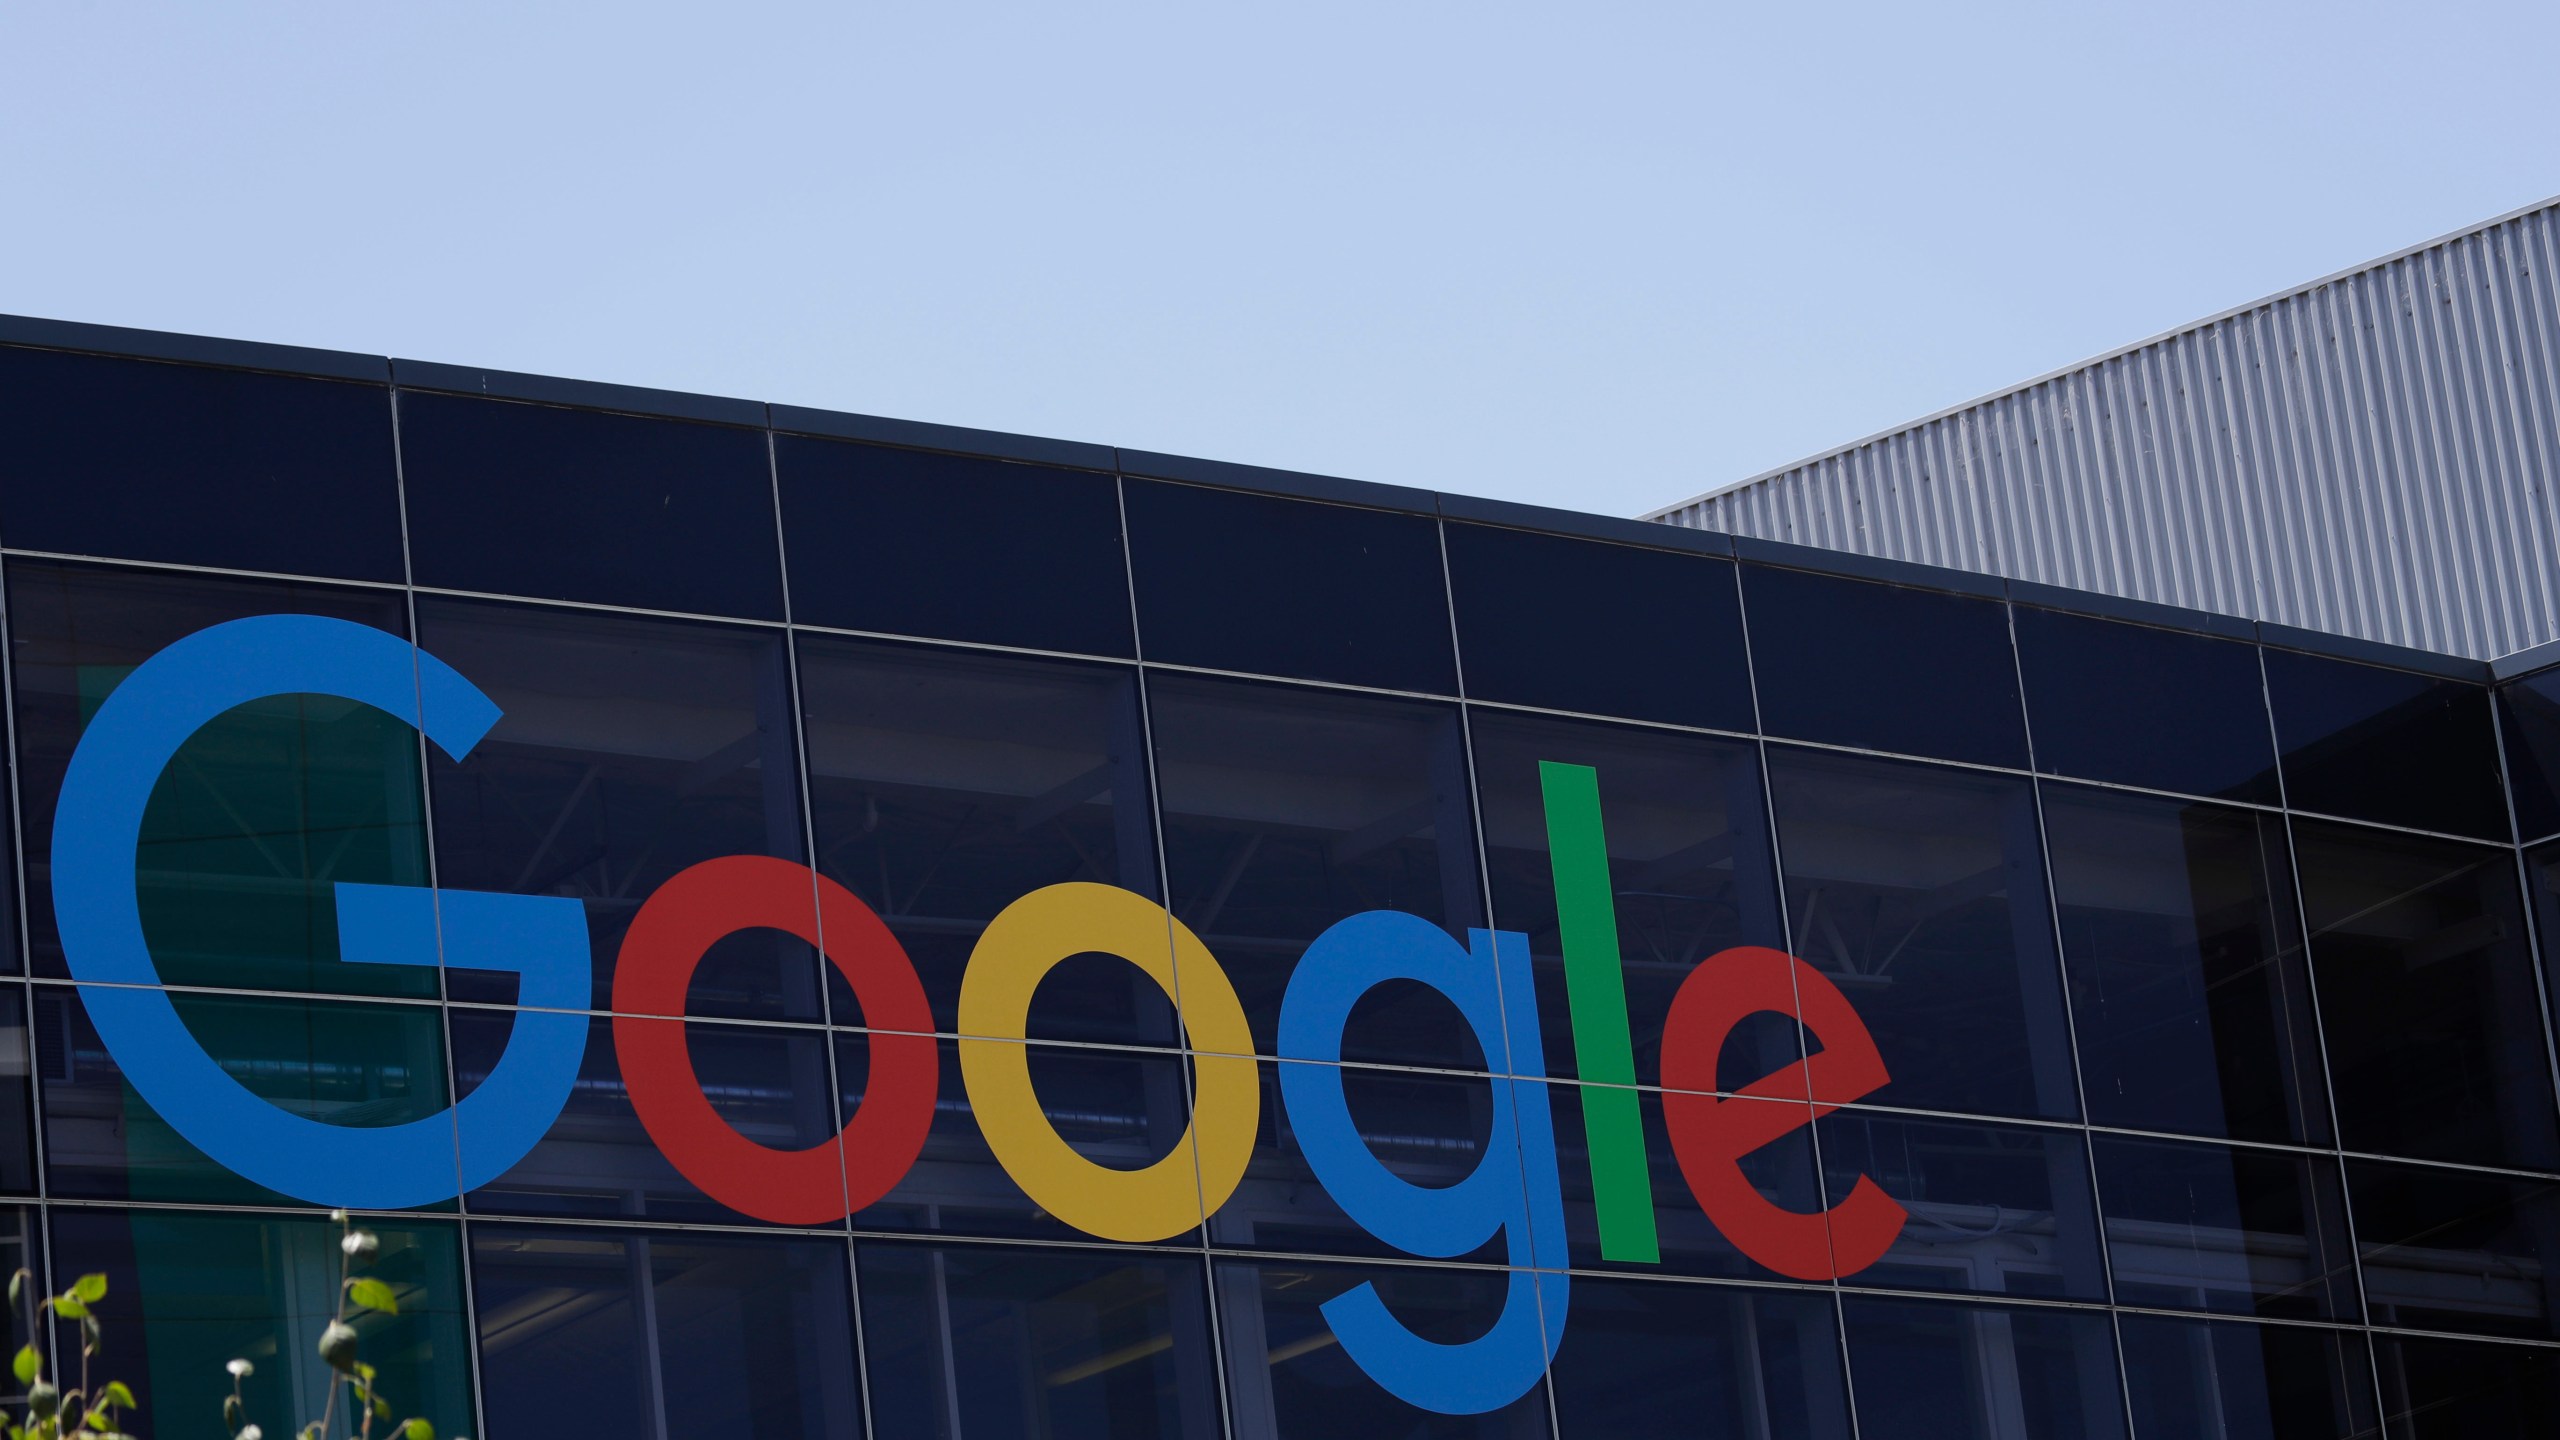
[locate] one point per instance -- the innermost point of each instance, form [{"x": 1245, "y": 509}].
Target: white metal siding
[{"x": 2373, "y": 455}]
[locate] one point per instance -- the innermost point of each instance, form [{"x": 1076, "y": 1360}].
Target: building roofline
[{"x": 2291, "y": 292}]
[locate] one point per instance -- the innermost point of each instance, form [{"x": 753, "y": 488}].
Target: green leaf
[
  {"x": 27, "y": 1365},
  {"x": 17, "y": 1287},
  {"x": 89, "y": 1289},
  {"x": 417, "y": 1430},
  {"x": 364, "y": 1372},
  {"x": 372, "y": 1294},
  {"x": 96, "y": 1420},
  {"x": 116, "y": 1392},
  {"x": 68, "y": 1306}
]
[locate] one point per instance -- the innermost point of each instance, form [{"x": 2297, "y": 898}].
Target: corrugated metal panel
[{"x": 2373, "y": 455}]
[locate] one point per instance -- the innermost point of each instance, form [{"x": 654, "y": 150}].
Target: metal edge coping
[
  {"x": 2516, "y": 664},
  {"x": 129, "y": 343}
]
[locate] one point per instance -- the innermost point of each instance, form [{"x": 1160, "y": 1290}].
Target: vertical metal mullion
[
  {"x": 39, "y": 1256},
  {"x": 1786, "y": 932}
]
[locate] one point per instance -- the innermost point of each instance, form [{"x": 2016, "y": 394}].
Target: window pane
[
  {"x": 1120, "y": 1109},
  {"x": 1286, "y": 810},
  {"x": 767, "y": 1083},
  {"x": 2529, "y": 716},
  {"x": 946, "y": 785},
  {"x": 1428, "y": 1130},
  {"x": 958, "y": 548},
  {"x": 197, "y": 467},
  {"x": 1920, "y": 891},
  {"x": 642, "y": 1332},
  {"x": 187, "y": 1293},
  {"x": 342, "y": 1062},
  {"x": 1288, "y": 1380},
  {"x": 1065, "y": 1344},
  {"x": 1644, "y": 1360},
  {"x": 1690, "y": 871},
  {"x": 2205, "y": 1227},
  {"x": 1577, "y": 625},
  {"x": 1882, "y": 667},
  {"x": 2386, "y": 745},
  {"x": 629, "y": 749},
  {"x": 2221, "y": 1380},
  {"x": 2451, "y": 1250},
  {"x": 1999, "y": 1209},
  {"x": 2138, "y": 706},
  {"x": 559, "y": 504},
  {"x": 1691, "y": 1241},
  {"x": 1287, "y": 587},
  {"x": 2461, "y": 1390},
  {"x": 258, "y": 816},
  {"x": 17, "y": 1134},
  {"x": 1934, "y": 1371},
  {"x": 2427, "y": 997},
  {"x": 2189, "y": 988}
]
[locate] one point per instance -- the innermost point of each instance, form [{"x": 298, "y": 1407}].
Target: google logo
[{"x": 1514, "y": 1193}]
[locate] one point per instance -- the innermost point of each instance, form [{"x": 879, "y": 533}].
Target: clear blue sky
[{"x": 1600, "y": 255}]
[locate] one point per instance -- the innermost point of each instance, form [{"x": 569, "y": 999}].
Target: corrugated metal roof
[{"x": 2373, "y": 454}]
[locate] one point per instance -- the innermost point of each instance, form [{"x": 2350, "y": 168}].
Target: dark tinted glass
[
  {"x": 2138, "y": 706},
  {"x": 1691, "y": 1241},
  {"x": 2189, "y": 991},
  {"x": 2456, "y": 1250},
  {"x": 2222, "y": 1380},
  {"x": 629, "y": 749},
  {"x": 1428, "y": 1130},
  {"x": 1675, "y": 1360},
  {"x": 258, "y": 816},
  {"x": 945, "y": 785},
  {"x": 2206, "y": 1227},
  {"x": 644, "y": 1332},
  {"x": 17, "y": 1135},
  {"x": 2462, "y": 1390},
  {"x": 576, "y": 505},
  {"x": 1920, "y": 891},
  {"x": 767, "y": 1083},
  {"x": 1579, "y": 625},
  {"x": 1288, "y": 1380},
  {"x": 2427, "y": 997},
  {"x": 197, "y": 467},
  {"x": 340, "y": 1062},
  {"x": 1687, "y": 836},
  {"x": 1882, "y": 667},
  {"x": 1286, "y": 587},
  {"x": 2386, "y": 745},
  {"x": 960, "y": 549},
  {"x": 2002, "y": 1209},
  {"x": 2529, "y": 717},
  {"x": 1286, "y": 810},
  {"x": 1936, "y": 1371},
  {"x": 188, "y": 1293},
  {"x": 1068, "y": 1344},
  {"x": 1120, "y": 1109}
]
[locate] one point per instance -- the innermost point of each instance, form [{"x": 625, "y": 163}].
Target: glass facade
[{"x": 2216, "y": 1082}]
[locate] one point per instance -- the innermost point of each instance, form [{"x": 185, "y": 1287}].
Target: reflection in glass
[
  {"x": 1120, "y": 1109},
  {"x": 1645, "y": 1360},
  {"x": 257, "y": 817},
  {"x": 1995, "y": 1209},
  {"x": 1691, "y": 1241},
  {"x": 1288, "y": 1379},
  {"x": 2222, "y": 1380},
  {"x": 2386, "y": 745},
  {"x": 186, "y": 1293},
  {"x": 2529, "y": 718},
  {"x": 1286, "y": 810},
  {"x": 2207, "y": 1227},
  {"x": 2455, "y": 1250},
  {"x": 629, "y": 749},
  {"x": 1689, "y": 867},
  {"x": 2134, "y": 705},
  {"x": 1884, "y": 667},
  {"x": 1929, "y": 1370},
  {"x": 1920, "y": 891},
  {"x": 342, "y": 1062},
  {"x": 2427, "y": 997},
  {"x": 1272, "y": 586},
  {"x": 632, "y": 1332},
  {"x": 2465, "y": 1390},
  {"x": 767, "y": 1083},
  {"x": 2190, "y": 993},
  {"x": 945, "y": 785},
  {"x": 1545, "y": 620},
  {"x": 1426, "y": 1129},
  {"x": 1069, "y": 1344}
]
